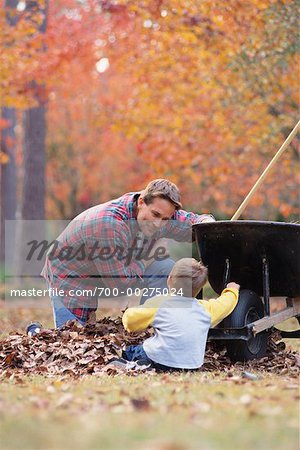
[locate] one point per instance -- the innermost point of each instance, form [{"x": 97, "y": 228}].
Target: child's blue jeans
[
  {"x": 137, "y": 352},
  {"x": 134, "y": 353}
]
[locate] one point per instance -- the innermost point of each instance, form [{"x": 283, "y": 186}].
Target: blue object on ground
[{"x": 34, "y": 328}]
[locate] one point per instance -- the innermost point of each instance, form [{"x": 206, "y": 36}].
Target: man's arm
[
  {"x": 179, "y": 227},
  {"x": 221, "y": 307}
]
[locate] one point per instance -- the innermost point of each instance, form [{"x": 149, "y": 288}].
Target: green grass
[{"x": 180, "y": 411}]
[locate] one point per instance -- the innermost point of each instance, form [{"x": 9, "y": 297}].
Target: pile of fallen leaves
[{"x": 76, "y": 350}]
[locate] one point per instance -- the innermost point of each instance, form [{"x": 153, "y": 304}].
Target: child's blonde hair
[{"x": 188, "y": 276}]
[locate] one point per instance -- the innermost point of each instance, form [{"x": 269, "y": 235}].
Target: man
[{"x": 113, "y": 248}]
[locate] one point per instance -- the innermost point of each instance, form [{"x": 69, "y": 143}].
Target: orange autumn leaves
[
  {"x": 211, "y": 81},
  {"x": 201, "y": 92}
]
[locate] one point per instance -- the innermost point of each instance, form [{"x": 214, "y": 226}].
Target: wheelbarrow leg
[
  {"x": 226, "y": 276},
  {"x": 266, "y": 285}
]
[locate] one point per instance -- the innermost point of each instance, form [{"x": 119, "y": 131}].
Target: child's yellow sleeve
[
  {"x": 221, "y": 307},
  {"x": 139, "y": 318}
]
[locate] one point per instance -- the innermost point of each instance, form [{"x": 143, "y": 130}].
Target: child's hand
[{"x": 233, "y": 285}]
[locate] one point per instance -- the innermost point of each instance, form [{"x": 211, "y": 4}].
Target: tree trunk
[
  {"x": 33, "y": 194},
  {"x": 8, "y": 199},
  {"x": 8, "y": 177},
  {"x": 33, "y": 199},
  {"x": 33, "y": 205}
]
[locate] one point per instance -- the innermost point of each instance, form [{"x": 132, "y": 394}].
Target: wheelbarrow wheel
[{"x": 248, "y": 309}]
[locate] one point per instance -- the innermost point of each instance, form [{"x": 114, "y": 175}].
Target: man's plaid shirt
[{"x": 88, "y": 253}]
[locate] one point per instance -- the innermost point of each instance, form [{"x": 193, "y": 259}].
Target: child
[{"x": 180, "y": 321}]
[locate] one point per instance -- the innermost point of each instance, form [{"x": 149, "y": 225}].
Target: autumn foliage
[{"x": 200, "y": 92}]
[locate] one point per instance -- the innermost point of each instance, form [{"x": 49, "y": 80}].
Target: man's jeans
[
  {"x": 61, "y": 314},
  {"x": 155, "y": 276}
]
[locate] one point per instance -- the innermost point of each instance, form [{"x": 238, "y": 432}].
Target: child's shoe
[{"x": 34, "y": 328}]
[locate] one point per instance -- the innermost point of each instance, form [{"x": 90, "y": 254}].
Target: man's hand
[
  {"x": 233, "y": 285},
  {"x": 208, "y": 218}
]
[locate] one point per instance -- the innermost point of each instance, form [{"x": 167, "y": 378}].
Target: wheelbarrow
[{"x": 264, "y": 258}]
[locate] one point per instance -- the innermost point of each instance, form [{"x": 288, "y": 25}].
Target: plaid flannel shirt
[{"x": 73, "y": 264}]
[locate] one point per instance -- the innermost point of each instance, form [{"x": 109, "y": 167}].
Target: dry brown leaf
[
  {"x": 76, "y": 350},
  {"x": 140, "y": 404}
]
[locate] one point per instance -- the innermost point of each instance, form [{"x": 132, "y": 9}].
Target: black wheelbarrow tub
[{"x": 244, "y": 244}]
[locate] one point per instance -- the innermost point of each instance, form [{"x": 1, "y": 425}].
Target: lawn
[
  {"x": 182, "y": 411},
  {"x": 207, "y": 410}
]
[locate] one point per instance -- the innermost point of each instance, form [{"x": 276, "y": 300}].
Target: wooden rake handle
[{"x": 243, "y": 205}]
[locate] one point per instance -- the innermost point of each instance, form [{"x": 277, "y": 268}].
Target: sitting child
[{"x": 180, "y": 321}]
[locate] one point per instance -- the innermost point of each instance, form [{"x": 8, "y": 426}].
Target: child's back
[{"x": 181, "y": 325}]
